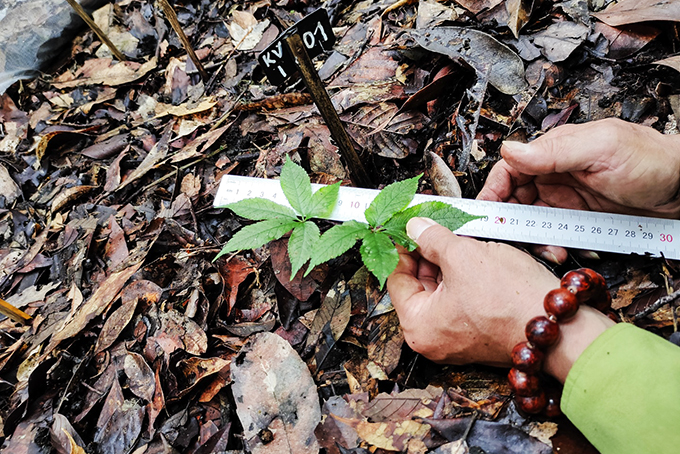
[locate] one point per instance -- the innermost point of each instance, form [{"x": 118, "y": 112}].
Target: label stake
[{"x": 291, "y": 51}]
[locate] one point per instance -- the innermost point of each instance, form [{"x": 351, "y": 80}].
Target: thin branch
[
  {"x": 172, "y": 18},
  {"x": 656, "y": 305},
  {"x": 95, "y": 28}
]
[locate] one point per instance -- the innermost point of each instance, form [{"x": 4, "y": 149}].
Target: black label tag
[{"x": 317, "y": 36}]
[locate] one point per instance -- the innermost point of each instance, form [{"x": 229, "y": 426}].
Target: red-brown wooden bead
[
  {"x": 602, "y": 301},
  {"x": 527, "y": 358},
  {"x": 532, "y": 404},
  {"x": 561, "y": 303},
  {"x": 597, "y": 282},
  {"x": 542, "y": 332},
  {"x": 552, "y": 404},
  {"x": 578, "y": 283},
  {"x": 523, "y": 384}
]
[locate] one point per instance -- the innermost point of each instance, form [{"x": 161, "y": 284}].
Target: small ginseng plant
[{"x": 386, "y": 218}]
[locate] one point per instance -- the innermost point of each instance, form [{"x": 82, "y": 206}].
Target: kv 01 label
[{"x": 317, "y": 36}]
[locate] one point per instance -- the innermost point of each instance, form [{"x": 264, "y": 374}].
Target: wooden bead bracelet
[{"x": 582, "y": 286}]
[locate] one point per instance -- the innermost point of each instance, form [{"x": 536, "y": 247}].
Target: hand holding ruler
[{"x": 502, "y": 221}]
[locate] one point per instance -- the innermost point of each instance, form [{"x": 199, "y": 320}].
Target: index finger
[{"x": 505, "y": 183}]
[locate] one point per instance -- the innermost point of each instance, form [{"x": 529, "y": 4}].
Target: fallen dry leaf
[
  {"x": 633, "y": 11},
  {"x": 102, "y": 72},
  {"x": 488, "y": 56},
  {"x": 276, "y": 398}
]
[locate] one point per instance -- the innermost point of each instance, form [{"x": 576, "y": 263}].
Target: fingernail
[
  {"x": 550, "y": 257},
  {"x": 592, "y": 255},
  {"x": 515, "y": 147},
  {"x": 416, "y": 226}
]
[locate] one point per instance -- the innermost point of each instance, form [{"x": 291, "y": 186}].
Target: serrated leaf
[
  {"x": 256, "y": 235},
  {"x": 297, "y": 187},
  {"x": 323, "y": 201},
  {"x": 301, "y": 245},
  {"x": 400, "y": 237},
  {"x": 393, "y": 198},
  {"x": 258, "y": 209},
  {"x": 336, "y": 241},
  {"x": 379, "y": 255},
  {"x": 440, "y": 212}
]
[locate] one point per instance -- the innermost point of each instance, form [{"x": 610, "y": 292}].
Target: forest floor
[{"x": 140, "y": 343}]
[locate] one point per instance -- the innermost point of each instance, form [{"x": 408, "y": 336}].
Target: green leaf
[
  {"x": 336, "y": 241},
  {"x": 379, "y": 255},
  {"x": 255, "y": 235},
  {"x": 323, "y": 201},
  {"x": 440, "y": 212},
  {"x": 258, "y": 209},
  {"x": 301, "y": 245},
  {"x": 400, "y": 237},
  {"x": 297, "y": 187},
  {"x": 393, "y": 198}
]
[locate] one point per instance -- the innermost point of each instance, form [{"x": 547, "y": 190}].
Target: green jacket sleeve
[{"x": 623, "y": 393}]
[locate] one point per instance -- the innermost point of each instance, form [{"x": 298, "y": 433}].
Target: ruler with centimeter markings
[{"x": 588, "y": 230}]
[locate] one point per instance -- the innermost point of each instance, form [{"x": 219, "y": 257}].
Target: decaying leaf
[
  {"x": 276, "y": 398},
  {"x": 385, "y": 343},
  {"x": 519, "y": 12},
  {"x": 558, "y": 41},
  {"x": 633, "y": 11},
  {"x": 102, "y": 72},
  {"x": 141, "y": 379},
  {"x": 392, "y": 436},
  {"x": 334, "y": 312},
  {"x": 671, "y": 62},
  {"x": 488, "y": 56},
  {"x": 384, "y": 131}
]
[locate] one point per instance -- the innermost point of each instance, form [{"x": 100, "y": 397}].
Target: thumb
[
  {"x": 549, "y": 154},
  {"x": 432, "y": 239}
]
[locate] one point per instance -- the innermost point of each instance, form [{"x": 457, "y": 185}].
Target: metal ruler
[{"x": 502, "y": 221}]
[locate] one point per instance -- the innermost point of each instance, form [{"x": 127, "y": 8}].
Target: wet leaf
[
  {"x": 276, "y": 398},
  {"x": 488, "y": 56}
]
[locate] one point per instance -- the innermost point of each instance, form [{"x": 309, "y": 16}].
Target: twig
[
  {"x": 172, "y": 18},
  {"x": 13, "y": 313},
  {"x": 95, "y": 28},
  {"x": 657, "y": 304}
]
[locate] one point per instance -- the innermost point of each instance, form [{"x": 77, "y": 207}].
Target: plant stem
[
  {"x": 95, "y": 28},
  {"x": 172, "y": 18}
]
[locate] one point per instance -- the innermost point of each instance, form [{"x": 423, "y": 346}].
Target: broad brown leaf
[
  {"x": 382, "y": 130},
  {"x": 489, "y": 57},
  {"x": 141, "y": 379},
  {"x": 385, "y": 343},
  {"x": 276, "y": 398},
  {"x": 633, "y": 11}
]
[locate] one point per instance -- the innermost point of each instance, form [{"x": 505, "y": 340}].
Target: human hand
[
  {"x": 461, "y": 301},
  {"x": 607, "y": 165}
]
